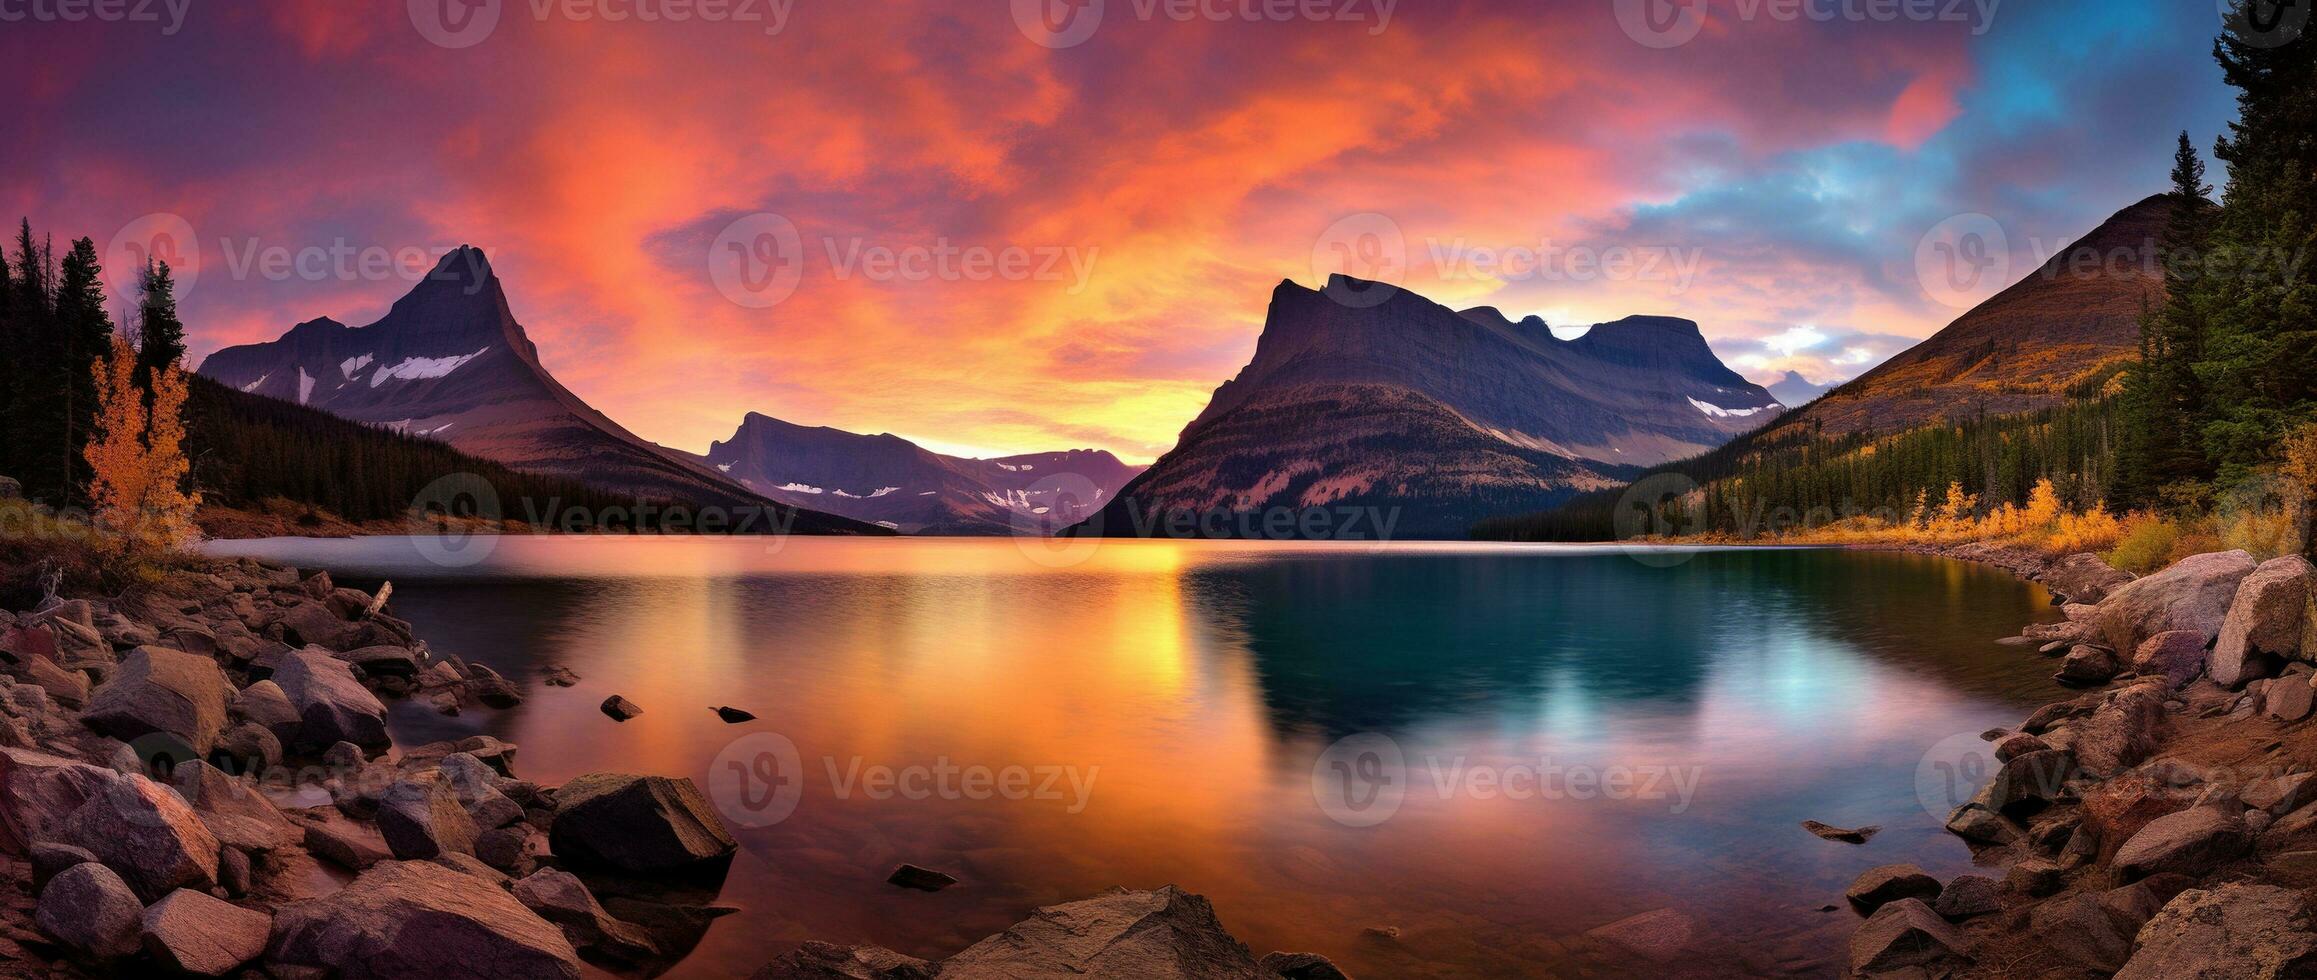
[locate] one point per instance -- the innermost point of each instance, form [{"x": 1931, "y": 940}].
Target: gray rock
[
  {"x": 560, "y": 898},
  {"x": 2083, "y": 578},
  {"x": 2122, "y": 732},
  {"x": 507, "y": 849},
  {"x": 2194, "y": 594},
  {"x": 1906, "y": 934},
  {"x": 415, "y": 919},
  {"x": 90, "y": 910},
  {"x": 422, "y": 820},
  {"x": 638, "y": 824},
  {"x": 1969, "y": 896},
  {"x": 2191, "y": 842},
  {"x": 2176, "y": 655},
  {"x": 1168, "y": 934},
  {"x": 190, "y": 932},
  {"x": 332, "y": 706},
  {"x": 2235, "y": 930},
  {"x": 1883, "y": 885},
  {"x": 162, "y": 691},
  {"x": 2266, "y": 623},
  {"x": 1978, "y": 824},
  {"x": 1840, "y": 835},
  {"x": 144, "y": 831}
]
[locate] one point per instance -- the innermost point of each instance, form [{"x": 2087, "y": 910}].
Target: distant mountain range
[
  {"x": 449, "y": 362},
  {"x": 1435, "y": 416},
  {"x": 890, "y": 481},
  {"x": 2031, "y": 346},
  {"x": 1795, "y": 391}
]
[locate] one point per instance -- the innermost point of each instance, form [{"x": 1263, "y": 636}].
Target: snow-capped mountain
[
  {"x": 1795, "y": 391},
  {"x": 450, "y": 362},
  {"x": 1439, "y": 416},
  {"x": 890, "y": 481}
]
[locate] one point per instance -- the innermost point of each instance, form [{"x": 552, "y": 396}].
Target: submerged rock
[
  {"x": 1840, "y": 834},
  {"x": 620, "y": 708},
  {"x": 1168, "y": 934},
  {"x": 1662, "y": 936},
  {"x": 734, "y": 716}
]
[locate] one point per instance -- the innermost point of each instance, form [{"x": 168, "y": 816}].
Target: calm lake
[{"x": 1542, "y": 739}]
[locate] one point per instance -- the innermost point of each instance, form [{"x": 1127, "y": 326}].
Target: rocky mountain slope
[
  {"x": 2023, "y": 349},
  {"x": 1436, "y": 416},
  {"x": 450, "y": 362},
  {"x": 890, "y": 481}
]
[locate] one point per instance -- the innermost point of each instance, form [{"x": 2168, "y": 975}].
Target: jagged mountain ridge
[
  {"x": 1439, "y": 416},
  {"x": 887, "y": 480},
  {"x": 450, "y": 362}
]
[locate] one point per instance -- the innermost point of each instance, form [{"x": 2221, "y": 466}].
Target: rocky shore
[
  {"x": 196, "y": 780},
  {"x": 2157, "y": 824}
]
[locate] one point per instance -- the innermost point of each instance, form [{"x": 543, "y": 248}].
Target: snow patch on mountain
[
  {"x": 353, "y": 366},
  {"x": 1716, "y": 411},
  {"x": 305, "y": 386},
  {"x": 416, "y": 368}
]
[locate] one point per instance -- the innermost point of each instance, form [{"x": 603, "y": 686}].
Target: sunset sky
[{"x": 1154, "y": 179}]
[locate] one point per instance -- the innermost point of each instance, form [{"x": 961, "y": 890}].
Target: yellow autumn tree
[{"x": 137, "y": 457}]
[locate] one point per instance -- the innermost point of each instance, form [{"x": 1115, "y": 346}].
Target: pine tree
[
  {"x": 160, "y": 335},
  {"x": 87, "y": 332},
  {"x": 2259, "y": 369},
  {"x": 2163, "y": 403},
  {"x": 36, "y": 421}
]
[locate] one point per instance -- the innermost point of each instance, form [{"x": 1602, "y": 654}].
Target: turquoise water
[{"x": 1490, "y": 749}]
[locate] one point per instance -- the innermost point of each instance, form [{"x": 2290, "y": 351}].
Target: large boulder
[
  {"x": 2267, "y": 623},
  {"x": 561, "y": 898},
  {"x": 2235, "y": 930},
  {"x": 233, "y": 810},
  {"x": 2087, "y": 665},
  {"x": 1168, "y": 934},
  {"x": 2193, "y": 842},
  {"x": 332, "y": 706},
  {"x": 145, "y": 831},
  {"x": 638, "y": 824},
  {"x": 2083, "y": 578},
  {"x": 90, "y": 910},
  {"x": 264, "y": 704},
  {"x": 2081, "y": 930},
  {"x": 2122, "y": 731},
  {"x": 415, "y": 919},
  {"x": 159, "y": 690},
  {"x": 422, "y": 820},
  {"x": 1906, "y": 934},
  {"x": 2030, "y": 782},
  {"x": 2176, "y": 655},
  {"x": 192, "y": 933},
  {"x": 38, "y": 791},
  {"x": 2194, "y": 594}
]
